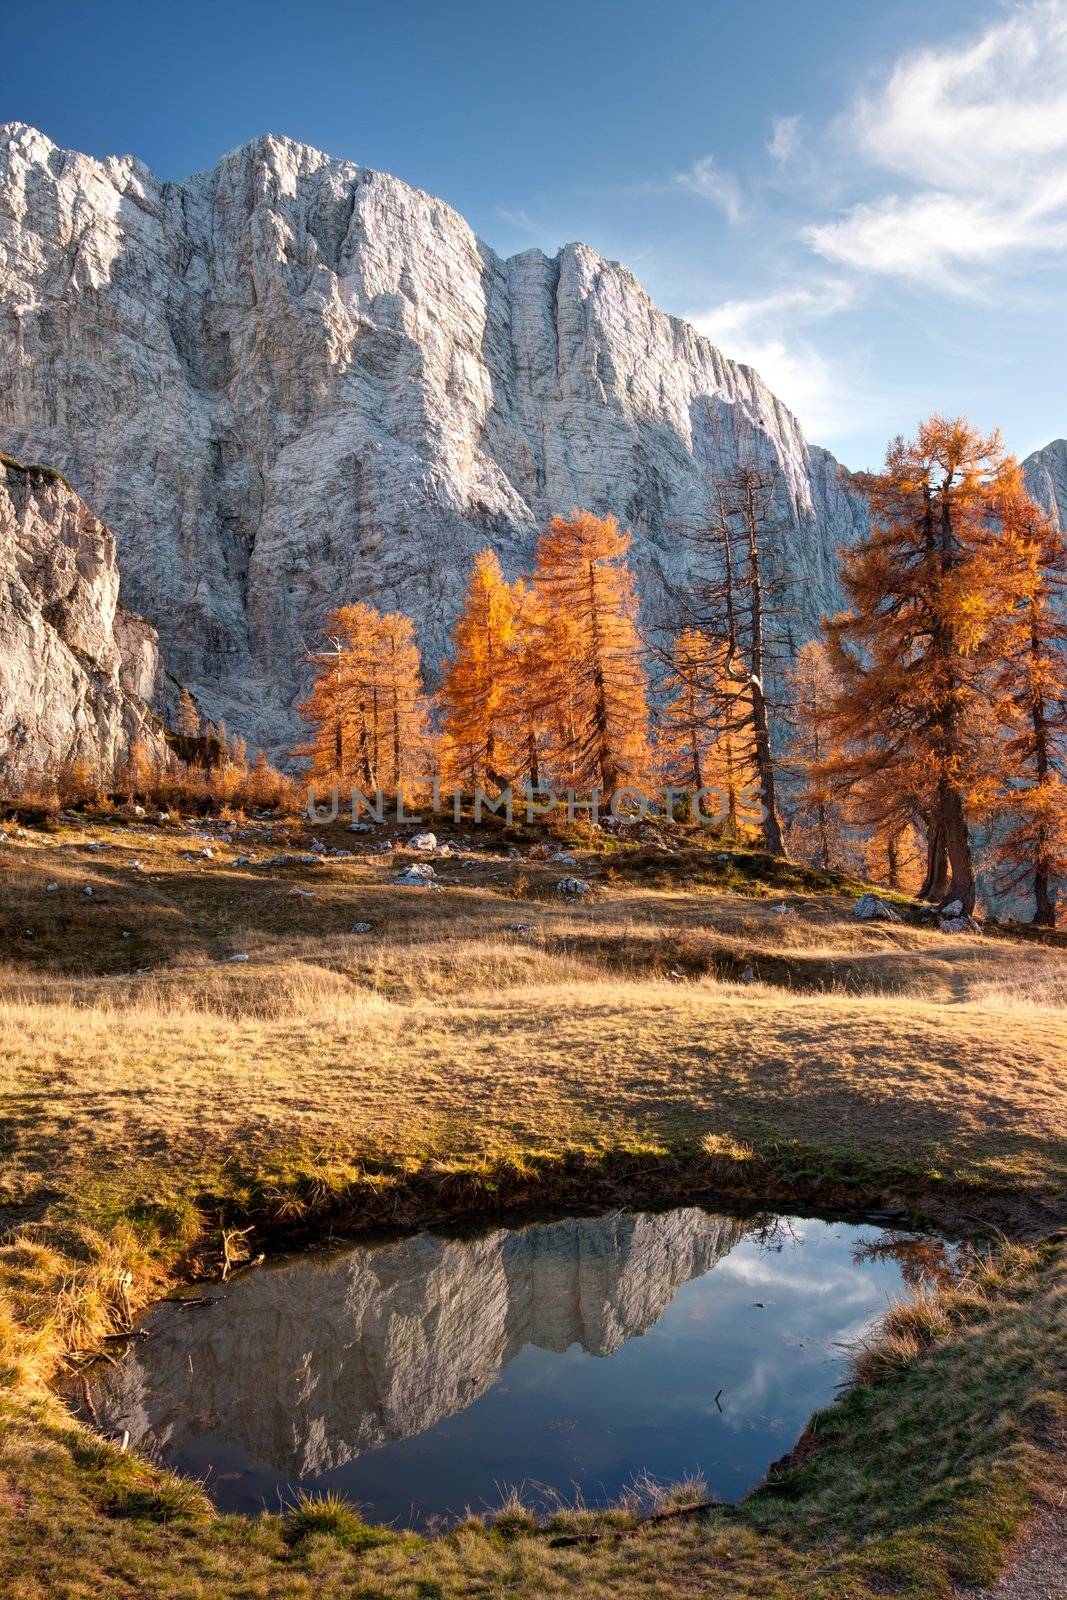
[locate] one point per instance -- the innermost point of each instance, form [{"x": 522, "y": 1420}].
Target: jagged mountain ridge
[
  {"x": 1045, "y": 472},
  {"x": 293, "y": 381},
  {"x": 78, "y": 671}
]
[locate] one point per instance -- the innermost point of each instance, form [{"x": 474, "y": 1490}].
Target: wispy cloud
[
  {"x": 785, "y": 137},
  {"x": 708, "y": 181},
  {"x": 772, "y": 333},
  {"x": 978, "y": 131}
]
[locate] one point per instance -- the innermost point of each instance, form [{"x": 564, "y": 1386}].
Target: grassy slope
[{"x": 446, "y": 1061}]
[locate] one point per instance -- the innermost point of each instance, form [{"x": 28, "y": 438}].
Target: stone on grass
[
  {"x": 570, "y": 887},
  {"x": 564, "y": 856},
  {"x": 870, "y": 909},
  {"x": 420, "y": 875},
  {"x": 50, "y": 888},
  {"x": 959, "y": 925},
  {"x": 240, "y": 956},
  {"x": 360, "y": 927},
  {"x": 423, "y": 841},
  {"x": 953, "y": 909}
]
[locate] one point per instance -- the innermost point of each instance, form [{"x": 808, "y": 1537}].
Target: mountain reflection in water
[{"x": 426, "y": 1374}]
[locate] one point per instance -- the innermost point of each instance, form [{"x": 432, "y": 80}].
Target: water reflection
[{"x": 427, "y": 1374}]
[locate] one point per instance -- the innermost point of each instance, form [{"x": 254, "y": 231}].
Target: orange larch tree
[
  {"x": 913, "y": 654},
  {"x": 477, "y": 688},
  {"x": 820, "y": 823},
  {"x": 594, "y": 689},
  {"x": 367, "y": 710},
  {"x": 1031, "y": 680}
]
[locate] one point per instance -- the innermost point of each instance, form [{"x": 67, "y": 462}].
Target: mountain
[
  {"x": 77, "y": 670},
  {"x": 293, "y": 381},
  {"x": 1045, "y": 473}
]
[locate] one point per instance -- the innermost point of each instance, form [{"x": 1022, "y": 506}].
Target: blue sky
[{"x": 869, "y": 202}]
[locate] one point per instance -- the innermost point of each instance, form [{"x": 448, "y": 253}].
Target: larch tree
[
  {"x": 1031, "y": 680},
  {"x": 733, "y": 605},
  {"x": 594, "y": 688},
  {"x": 405, "y": 731},
  {"x": 821, "y": 821},
  {"x": 367, "y": 710},
  {"x": 685, "y": 727},
  {"x": 187, "y": 720},
  {"x": 478, "y": 683},
  {"x": 912, "y": 655}
]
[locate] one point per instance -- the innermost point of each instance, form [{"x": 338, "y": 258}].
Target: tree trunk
[
  {"x": 958, "y": 849},
  {"x": 1045, "y": 905},
  {"x": 936, "y": 880},
  {"x": 772, "y": 830}
]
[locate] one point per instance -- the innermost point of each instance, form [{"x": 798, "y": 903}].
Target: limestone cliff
[
  {"x": 76, "y": 669},
  {"x": 1046, "y": 478},
  {"x": 293, "y": 381}
]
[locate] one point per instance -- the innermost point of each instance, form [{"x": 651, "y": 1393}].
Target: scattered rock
[
  {"x": 135, "y": 865},
  {"x": 423, "y": 841},
  {"x": 240, "y": 956},
  {"x": 420, "y": 875},
  {"x": 360, "y": 927},
  {"x": 564, "y": 856},
  {"x": 520, "y": 927},
  {"x": 50, "y": 888},
  {"x": 870, "y": 909},
  {"x": 953, "y": 909},
  {"x": 88, "y": 890},
  {"x": 318, "y": 847},
  {"x": 749, "y": 975},
  {"x": 126, "y": 934},
  {"x": 361, "y": 827},
  {"x": 959, "y": 925},
  {"x": 570, "y": 887},
  {"x": 782, "y": 910}
]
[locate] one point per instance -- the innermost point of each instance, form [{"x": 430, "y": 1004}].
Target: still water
[{"x": 422, "y": 1376}]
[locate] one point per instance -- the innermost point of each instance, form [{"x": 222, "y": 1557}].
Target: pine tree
[
  {"x": 685, "y": 732},
  {"x": 1031, "y": 679},
  {"x": 594, "y": 690},
  {"x": 913, "y": 653},
  {"x": 477, "y": 689}
]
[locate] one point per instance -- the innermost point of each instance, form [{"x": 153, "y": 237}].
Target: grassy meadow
[{"x": 704, "y": 1020}]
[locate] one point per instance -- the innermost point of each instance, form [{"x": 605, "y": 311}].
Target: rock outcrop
[
  {"x": 308, "y": 1367},
  {"x": 294, "y": 381},
  {"x": 1045, "y": 473},
  {"x": 76, "y": 670}
]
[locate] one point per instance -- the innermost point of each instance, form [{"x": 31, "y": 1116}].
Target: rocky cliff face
[
  {"x": 76, "y": 669},
  {"x": 1046, "y": 478},
  {"x": 293, "y": 381},
  {"x": 308, "y": 1367}
]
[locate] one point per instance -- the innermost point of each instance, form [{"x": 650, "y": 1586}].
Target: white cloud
[
  {"x": 767, "y": 332},
  {"x": 784, "y": 139},
  {"x": 709, "y": 182},
  {"x": 979, "y": 131}
]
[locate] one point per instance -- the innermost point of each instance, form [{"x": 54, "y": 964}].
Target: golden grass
[{"x": 146, "y": 1111}]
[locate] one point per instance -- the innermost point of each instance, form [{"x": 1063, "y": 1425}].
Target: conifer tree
[
  {"x": 1031, "y": 680},
  {"x": 187, "y": 720},
  {"x": 594, "y": 690},
  {"x": 367, "y": 710},
  {"x": 913, "y": 653},
  {"x": 733, "y": 606},
  {"x": 478, "y": 684},
  {"x": 822, "y": 818}
]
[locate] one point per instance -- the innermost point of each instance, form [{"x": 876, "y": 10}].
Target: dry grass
[{"x": 146, "y": 1110}]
